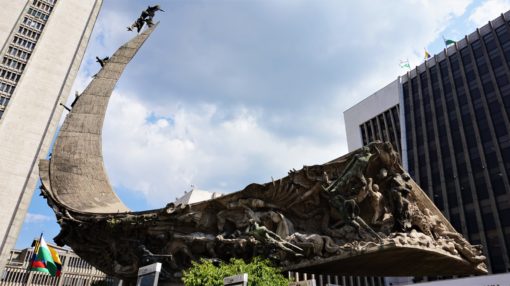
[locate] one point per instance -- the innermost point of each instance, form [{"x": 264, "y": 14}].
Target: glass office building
[{"x": 454, "y": 114}]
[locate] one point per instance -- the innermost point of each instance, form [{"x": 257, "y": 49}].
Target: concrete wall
[
  {"x": 375, "y": 104},
  {"x": 30, "y": 121}
]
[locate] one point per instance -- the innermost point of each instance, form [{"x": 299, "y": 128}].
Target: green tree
[{"x": 260, "y": 273}]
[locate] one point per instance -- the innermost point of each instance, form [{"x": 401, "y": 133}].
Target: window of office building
[{"x": 16, "y": 55}]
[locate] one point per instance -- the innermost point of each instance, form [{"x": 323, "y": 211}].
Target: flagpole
[{"x": 34, "y": 255}]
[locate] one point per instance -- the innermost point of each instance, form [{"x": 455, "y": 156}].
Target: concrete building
[
  {"x": 75, "y": 271},
  {"x": 196, "y": 196},
  {"x": 42, "y": 43},
  {"x": 377, "y": 116},
  {"x": 455, "y": 134}
]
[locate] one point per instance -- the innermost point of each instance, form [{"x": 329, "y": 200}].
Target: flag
[
  {"x": 42, "y": 260},
  {"x": 448, "y": 42},
  {"x": 56, "y": 259},
  {"x": 427, "y": 55},
  {"x": 405, "y": 64}
]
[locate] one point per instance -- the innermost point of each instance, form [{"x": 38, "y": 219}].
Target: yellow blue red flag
[{"x": 42, "y": 260}]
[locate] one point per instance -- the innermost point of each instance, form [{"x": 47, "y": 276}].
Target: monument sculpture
[
  {"x": 360, "y": 214},
  {"x": 145, "y": 18}
]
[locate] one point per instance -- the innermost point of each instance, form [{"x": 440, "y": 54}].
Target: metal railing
[{"x": 75, "y": 271}]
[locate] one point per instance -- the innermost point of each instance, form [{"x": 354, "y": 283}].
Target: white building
[
  {"x": 195, "y": 196},
  {"x": 75, "y": 271},
  {"x": 42, "y": 43},
  {"x": 368, "y": 117}
]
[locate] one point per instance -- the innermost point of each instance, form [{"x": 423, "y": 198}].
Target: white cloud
[
  {"x": 36, "y": 218},
  {"x": 488, "y": 10},
  {"x": 163, "y": 160}
]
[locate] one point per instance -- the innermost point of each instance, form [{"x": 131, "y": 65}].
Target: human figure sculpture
[
  {"x": 376, "y": 201},
  {"x": 352, "y": 176},
  {"x": 262, "y": 234},
  {"x": 151, "y": 11},
  {"x": 383, "y": 157},
  {"x": 399, "y": 192},
  {"x": 148, "y": 257},
  {"x": 282, "y": 226},
  {"x": 138, "y": 24},
  {"x": 102, "y": 61},
  {"x": 149, "y": 22},
  {"x": 239, "y": 214},
  {"x": 349, "y": 211},
  {"x": 65, "y": 107},
  {"x": 76, "y": 96},
  {"x": 439, "y": 230},
  {"x": 145, "y": 18},
  {"x": 229, "y": 221}
]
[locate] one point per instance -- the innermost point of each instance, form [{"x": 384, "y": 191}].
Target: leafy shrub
[{"x": 260, "y": 273}]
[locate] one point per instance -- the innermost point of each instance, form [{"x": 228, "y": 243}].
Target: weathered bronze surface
[
  {"x": 360, "y": 214},
  {"x": 146, "y": 17}
]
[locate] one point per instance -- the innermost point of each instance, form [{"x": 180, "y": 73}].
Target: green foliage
[{"x": 260, "y": 273}]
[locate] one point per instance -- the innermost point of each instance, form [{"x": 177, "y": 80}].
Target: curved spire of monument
[
  {"x": 77, "y": 173},
  {"x": 360, "y": 214}
]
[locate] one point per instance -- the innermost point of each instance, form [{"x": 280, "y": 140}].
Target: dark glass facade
[
  {"x": 384, "y": 127},
  {"x": 457, "y": 122}
]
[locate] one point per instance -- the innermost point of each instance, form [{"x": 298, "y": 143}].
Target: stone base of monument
[{"x": 390, "y": 260}]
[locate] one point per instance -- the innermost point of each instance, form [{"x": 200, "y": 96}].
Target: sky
[{"x": 231, "y": 92}]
